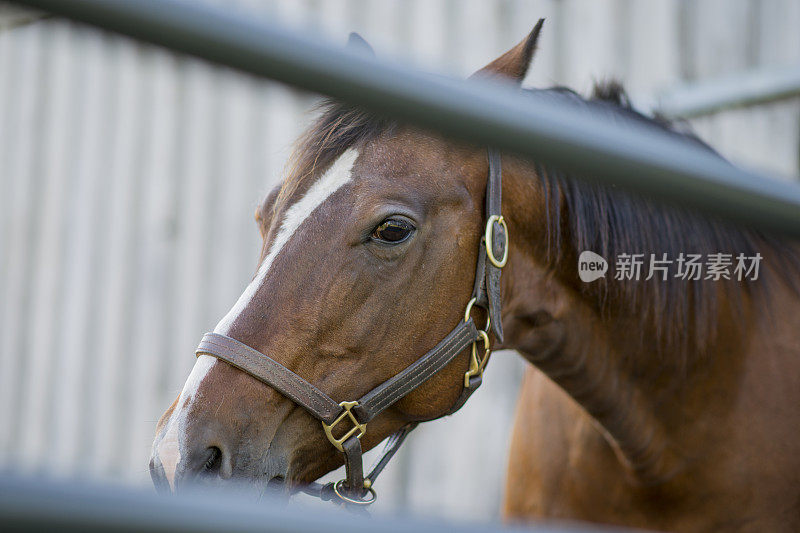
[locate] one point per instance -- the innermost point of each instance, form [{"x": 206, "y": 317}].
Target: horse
[{"x": 665, "y": 403}]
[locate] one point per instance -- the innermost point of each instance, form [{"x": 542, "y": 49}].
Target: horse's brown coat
[{"x": 689, "y": 425}]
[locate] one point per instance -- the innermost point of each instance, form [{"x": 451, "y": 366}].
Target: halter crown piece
[{"x": 344, "y": 423}]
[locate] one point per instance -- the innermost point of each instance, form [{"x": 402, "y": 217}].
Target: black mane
[{"x": 609, "y": 221}]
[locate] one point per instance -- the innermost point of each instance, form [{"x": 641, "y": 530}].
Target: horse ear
[
  {"x": 358, "y": 43},
  {"x": 266, "y": 210},
  {"x": 514, "y": 63}
]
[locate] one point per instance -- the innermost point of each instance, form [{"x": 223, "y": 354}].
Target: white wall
[{"x": 129, "y": 177}]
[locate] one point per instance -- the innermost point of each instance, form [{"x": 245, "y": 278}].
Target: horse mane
[
  {"x": 338, "y": 127},
  {"x": 582, "y": 215}
]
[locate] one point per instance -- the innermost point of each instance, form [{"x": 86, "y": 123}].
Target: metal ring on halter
[
  {"x": 348, "y": 499},
  {"x": 469, "y": 310},
  {"x": 490, "y": 240}
]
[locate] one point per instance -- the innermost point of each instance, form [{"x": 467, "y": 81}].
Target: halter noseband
[{"x": 355, "y": 488}]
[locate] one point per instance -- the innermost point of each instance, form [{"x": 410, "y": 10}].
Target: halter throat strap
[{"x": 344, "y": 423}]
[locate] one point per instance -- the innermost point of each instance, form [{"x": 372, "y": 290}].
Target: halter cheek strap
[{"x": 344, "y": 423}]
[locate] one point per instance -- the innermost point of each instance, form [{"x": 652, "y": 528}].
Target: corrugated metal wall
[{"x": 129, "y": 177}]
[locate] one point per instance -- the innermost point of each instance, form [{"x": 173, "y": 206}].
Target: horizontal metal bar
[
  {"x": 746, "y": 89},
  {"x": 13, "y": 17},
  {"x": 45, "y": 505},
  {"x": 619, "y": 152}
]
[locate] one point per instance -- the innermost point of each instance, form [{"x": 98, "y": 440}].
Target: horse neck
[{"x": 602, "y": 363}]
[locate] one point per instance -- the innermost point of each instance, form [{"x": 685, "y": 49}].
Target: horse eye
[{"x": 392, "y": 230}]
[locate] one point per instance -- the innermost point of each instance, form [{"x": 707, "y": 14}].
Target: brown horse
[{"x": 665, "y": 403}]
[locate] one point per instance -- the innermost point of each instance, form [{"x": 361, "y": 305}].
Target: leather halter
[{"x": 350, "y": 418}]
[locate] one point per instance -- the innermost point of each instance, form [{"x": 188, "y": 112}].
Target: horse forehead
[
  {"x": 385, "y": 175},
  {"x": 291, "y": 220}
]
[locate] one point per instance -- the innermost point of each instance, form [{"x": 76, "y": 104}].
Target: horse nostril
[{"x": 214, "y": 460}]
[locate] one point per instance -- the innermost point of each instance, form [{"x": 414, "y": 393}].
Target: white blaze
[
  {"x": 169, "y": 452},
  {"x": 337, "y": 175},
  {"x": 172, "y": 445}
]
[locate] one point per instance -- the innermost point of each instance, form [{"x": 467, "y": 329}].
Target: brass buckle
[
  {"x": 360, "y": 428},
  {"x": 490, "y": 237},
  {"x": 476, "y": 365}
]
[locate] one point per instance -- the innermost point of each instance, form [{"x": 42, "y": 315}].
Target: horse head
[{"x": 369, "y": 255}]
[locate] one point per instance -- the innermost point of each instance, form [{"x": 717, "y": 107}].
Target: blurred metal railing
[
  {"x": 745, "y": 89},
  {"x": 624, "y": 153},
  {"x": 46, "y": 505}
]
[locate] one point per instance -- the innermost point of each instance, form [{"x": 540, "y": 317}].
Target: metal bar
[
  {"x": 13, "y": 17},
  {"x": 45, "y": 505},
  {"x": 620, "y": 152},
  {"x": 746, "y": 89}
]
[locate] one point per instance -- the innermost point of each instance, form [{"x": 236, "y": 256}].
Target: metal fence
[
  {"x": 573, "y": 138},
  {"x": 31, "y": 505},
  {"x": 259, "y": 49}
]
